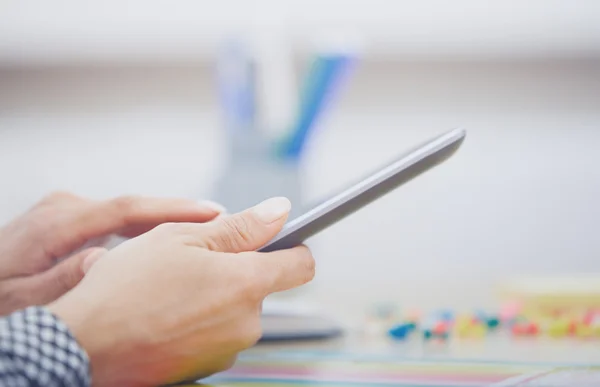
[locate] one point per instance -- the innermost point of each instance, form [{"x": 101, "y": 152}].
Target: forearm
[{"x": 37, "y": 349}]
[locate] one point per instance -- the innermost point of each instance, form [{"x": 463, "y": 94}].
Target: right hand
[{"x": 181, "y": 301}]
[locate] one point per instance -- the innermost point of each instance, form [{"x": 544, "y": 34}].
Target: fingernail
[
  {"x": 272, "y": 209},
  {"x": 213, "y": 206}
]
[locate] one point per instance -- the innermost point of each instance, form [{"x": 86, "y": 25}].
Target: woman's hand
[
  {"x": 31, "y": 247},
  {"x": 181, "y": 301}
]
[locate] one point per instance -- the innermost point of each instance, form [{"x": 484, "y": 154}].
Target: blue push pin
[
  {"x": 446, "y": 315},
  {"x": 401, "y": 331}
]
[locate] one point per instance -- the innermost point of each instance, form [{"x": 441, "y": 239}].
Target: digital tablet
[{"x": 387, "y": 178}]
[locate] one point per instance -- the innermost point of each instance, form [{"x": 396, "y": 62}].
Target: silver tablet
[{"x": 407, "y": 166}]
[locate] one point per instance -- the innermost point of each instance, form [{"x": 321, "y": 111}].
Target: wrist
[
  {"x": 93, "y": 332},
  {"x": 73, "y": 317}
]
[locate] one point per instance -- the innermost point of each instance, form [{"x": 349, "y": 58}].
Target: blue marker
[{"x": 323, "y": 81}]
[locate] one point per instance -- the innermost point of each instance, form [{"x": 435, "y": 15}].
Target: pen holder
[{"x": 253, "y": 172}]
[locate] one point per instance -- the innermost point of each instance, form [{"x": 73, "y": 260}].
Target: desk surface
[{"x": 361, "y": 361}]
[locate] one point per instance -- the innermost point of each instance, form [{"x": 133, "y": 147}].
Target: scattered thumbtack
[
  {"x": 402, "y": 331},
  {"x": 525, "y": 329},
  {"x": 558, "y": 328},
  {"x": 584, "y": 330}
]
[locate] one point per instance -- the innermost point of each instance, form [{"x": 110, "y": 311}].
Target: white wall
[
  {"x": 521, "y": 196},
  {"x": 67, "y": 31}
]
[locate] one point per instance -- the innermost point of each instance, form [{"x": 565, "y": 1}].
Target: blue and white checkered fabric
[{"x": 37, "y": 349}]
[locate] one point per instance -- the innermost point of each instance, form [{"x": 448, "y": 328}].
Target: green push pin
[{"x": 493, "y": 322}]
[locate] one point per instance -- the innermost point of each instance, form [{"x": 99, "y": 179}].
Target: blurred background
[{"x": 110, "y": 98}]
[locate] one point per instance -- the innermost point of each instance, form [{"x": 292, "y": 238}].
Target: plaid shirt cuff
[{"x": 37, "y": 349}]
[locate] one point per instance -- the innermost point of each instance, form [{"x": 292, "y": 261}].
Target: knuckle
[
  {"x": 234, "y": 233},
  {"x": 170, "y": 234},
  {"x": 165, "y": 229},
  {"x": 125, "y": 204},
  {"x": 239, "y": 229}
]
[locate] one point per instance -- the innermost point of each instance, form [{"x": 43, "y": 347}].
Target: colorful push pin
[
  {"x": 588, "y": 317},
  {"x": 478, "y": 331},
  {"x": 595, "y": 324},
  {"x": 573, "y": 326},
  {"x": 401, "y": 331},
  {"x": 525, "y": 329},
  {"x": 509, "y": 312},
  {"x": 591, "y": 317},
  {"x": 463, "y": 324},
  {"x": 518, "y": 329},
  {"x": 584, "y": 330},
  {"x": 558, "y": 328},
  {"x": 441, "y": 329},
  {"x": 427, "y": 334},
  {"x": 469, "y": 327},
  {"x": 487, "y": 319},
  {"x": 445, "y": 315},
  {"x": 463, "y": 320},
  {"x": 433, "y": 328},
  {"x": 441, "y": 326},
  {"x": 493, "y": 322}
]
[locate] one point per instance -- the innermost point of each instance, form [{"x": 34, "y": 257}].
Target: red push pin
[
  {"x": 440, "y": 328},
  {"x": 588, "y": 318},
  {"x": 524, "y": 329},
  {"x": 573, "y": 327},
  {"x": 533, "y": 329}
]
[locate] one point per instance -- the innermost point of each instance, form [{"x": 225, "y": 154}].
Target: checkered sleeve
[{"x": 37, "y": 349}]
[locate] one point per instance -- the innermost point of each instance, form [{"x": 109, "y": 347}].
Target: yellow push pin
[
  {"x": 595, "y": 329},
  {"x": 461, "y": 325},
  {"x": 478, "y": 330},
  {"x": 470, "y": 328},
  {"x": 559, "y": 328},
  {"x": 584, "y": 330}
]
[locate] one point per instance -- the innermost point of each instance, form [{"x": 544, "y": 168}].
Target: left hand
[{"x": 31, "y": 246}]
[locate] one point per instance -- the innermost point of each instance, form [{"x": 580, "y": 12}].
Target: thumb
[
  {"x": 53, "y": 283},
  {"x": 247, "y": 230}
]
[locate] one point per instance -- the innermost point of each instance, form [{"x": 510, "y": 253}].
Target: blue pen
[{"x": 323, "y": 81}]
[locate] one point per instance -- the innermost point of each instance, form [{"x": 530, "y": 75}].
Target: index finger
[
  {"x": 284, "y": 269},
  {"x": 131, "y": 216}
]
